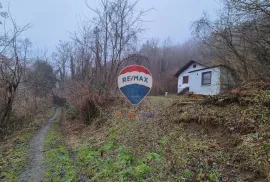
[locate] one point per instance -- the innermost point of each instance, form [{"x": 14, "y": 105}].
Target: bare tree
[
  {"x": 83, "y": 51},
  {"x": 165, "y": 59},
  {"x": 239, "y": 38},
  {"x": 12, "y": 64},
  {"x": 118, "y": 25},
  {"x": 64, "y": 59}
]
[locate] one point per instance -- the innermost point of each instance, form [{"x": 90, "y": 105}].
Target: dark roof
[
  {"x": 185, "y": 67},
  {"x": 210, "y": 67}
]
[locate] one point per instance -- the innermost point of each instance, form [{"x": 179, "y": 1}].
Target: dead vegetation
[
  {"x": 223, "y": 137},
  {"x": 83, "y": 102},
  {"x": 239, "y": 122}
]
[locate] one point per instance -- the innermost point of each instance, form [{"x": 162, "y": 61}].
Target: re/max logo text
[{"x": 134, "y": 78}]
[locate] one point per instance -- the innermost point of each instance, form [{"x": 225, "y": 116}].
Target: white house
[{"x": 197, "y": 78}]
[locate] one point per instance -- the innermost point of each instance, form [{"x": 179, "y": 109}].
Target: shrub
[{"x": 84, "y": 100}]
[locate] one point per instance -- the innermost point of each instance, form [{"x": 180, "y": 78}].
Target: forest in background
[{"x": 84, "y": 69}]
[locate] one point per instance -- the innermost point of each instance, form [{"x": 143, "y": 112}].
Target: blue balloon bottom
[{"x": 135, "y": 92}]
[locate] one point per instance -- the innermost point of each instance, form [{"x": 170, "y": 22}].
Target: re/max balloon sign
[{"x": 135, "y": 82}]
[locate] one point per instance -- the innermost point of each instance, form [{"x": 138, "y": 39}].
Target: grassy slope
[
  {"x": 183, "y": 142},
  {"x": 142, "y": 149}
]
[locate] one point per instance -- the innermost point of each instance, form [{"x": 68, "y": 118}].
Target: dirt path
[{"x": 35, "y": 169}]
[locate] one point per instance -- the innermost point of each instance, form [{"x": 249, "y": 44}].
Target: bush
[{"x": 83, "y": 100}]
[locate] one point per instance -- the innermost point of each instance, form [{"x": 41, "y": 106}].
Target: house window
[
  {"x": 185, "y": 79},
  {"x": 206, "y": 78},
  {"x": 194, "y": 66}
]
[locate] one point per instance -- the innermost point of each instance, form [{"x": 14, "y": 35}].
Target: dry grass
[
  {"x": 88, "y": 103},
  {"x": 239, "y": 123},
  {"x": 195, "y": 138},
  {"x": 27, "y": 112}
]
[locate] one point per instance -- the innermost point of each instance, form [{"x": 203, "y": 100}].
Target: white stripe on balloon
[{"x": 135, "y": 73}]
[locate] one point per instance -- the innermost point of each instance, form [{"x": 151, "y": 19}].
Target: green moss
[
  {"x": 14, "y": 160},
  {"x": 59, "y": 166},
  {"x": 187, "y": 174},
  {"x": 110, "y": 145},
  {"x": 214, "y": 176},
  {"x": 142, "y": 169},
  {"x": 153, "y": 156},
  {"x": 112, "y": 162},
  {"x": 164, "y": 140},
  {"x": 50, "y": 112}
]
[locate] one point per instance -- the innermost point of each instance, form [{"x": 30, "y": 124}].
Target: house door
[{"x": 185, "y": 79}]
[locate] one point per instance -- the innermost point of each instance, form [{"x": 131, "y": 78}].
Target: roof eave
[
  {"x": 185, "y": 67},
  {"x": 209, "y": 68}
]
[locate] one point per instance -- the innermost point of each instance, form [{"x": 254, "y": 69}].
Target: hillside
[
  {"x": 178, "y": 138},
  {"x": 175, "y": 138},
  {"x": 66, "y": 71}
]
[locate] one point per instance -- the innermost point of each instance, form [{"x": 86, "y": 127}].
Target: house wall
[
  {"x": 196, "y": 86},
  {"x": 182, "y": 86}
]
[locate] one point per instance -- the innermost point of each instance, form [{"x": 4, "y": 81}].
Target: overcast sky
[{"x": 53, "y": 20}]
